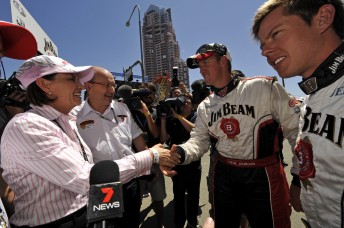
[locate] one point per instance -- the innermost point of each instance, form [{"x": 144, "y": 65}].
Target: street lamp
[{"x": 140, "y": 30}]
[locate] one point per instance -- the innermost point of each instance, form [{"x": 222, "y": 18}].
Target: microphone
[
  {"x": 125, "y": 92},
  {"x": 105, "y": 194}
]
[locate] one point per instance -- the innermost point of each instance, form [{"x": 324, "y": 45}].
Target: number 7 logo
[{"x": 109, "y": 193}]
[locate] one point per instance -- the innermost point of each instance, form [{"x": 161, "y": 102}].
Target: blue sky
[{"x": 93, "y": 32}]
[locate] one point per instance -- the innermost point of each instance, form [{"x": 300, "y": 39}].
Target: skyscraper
[{"x": 161, "y": 49}]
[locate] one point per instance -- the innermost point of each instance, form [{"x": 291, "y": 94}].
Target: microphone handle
[{"x": 100, "y": 225}]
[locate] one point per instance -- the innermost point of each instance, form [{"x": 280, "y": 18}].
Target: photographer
[
  {"x": 175, "y": 92},
  {"x": 175, "y": 129}
]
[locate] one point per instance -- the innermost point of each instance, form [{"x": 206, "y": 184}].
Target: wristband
[
  {"x": 155, "y": 155},
  {"x": 179, "y": 117},
  {"x": 147, "y": 114}
]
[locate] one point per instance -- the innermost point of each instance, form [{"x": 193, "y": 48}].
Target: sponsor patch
[
  {"x": 293, "y": 102},
  {"x": 87, "y": 124},
  {"x": 296, "y": 104},
  {"x": 231, "y": 127},
  {"x": 122, "y": 117}
]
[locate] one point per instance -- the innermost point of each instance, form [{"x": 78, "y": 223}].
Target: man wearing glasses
[{"x": 109, "y": 129}]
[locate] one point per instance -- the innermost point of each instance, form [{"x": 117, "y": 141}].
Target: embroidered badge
[
  {"x": 304, "y": 153},
  {"x": 230, "y": 126},
  {"x": 87, "y": 124},
  {"x": 296, "y": 104},
  {"x": 293, "y": 102},
  {"x": 122, "y": 117}
]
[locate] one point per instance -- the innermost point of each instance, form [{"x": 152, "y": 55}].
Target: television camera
[
  {"x": 132, "y": 97},
  {"x": 164, "y": 108},
  {"x": 8, "y": 86}
]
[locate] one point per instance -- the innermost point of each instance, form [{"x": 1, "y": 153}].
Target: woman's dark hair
[{"x": 36, "y": 95}]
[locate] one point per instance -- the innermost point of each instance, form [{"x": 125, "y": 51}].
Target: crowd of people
[{"x": 48, "y": 150}]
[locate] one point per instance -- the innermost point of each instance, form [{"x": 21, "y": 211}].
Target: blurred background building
[{"x": 161, "y": 48}]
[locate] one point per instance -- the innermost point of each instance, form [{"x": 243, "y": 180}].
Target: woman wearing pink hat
[{"x": 45, "y": 161}]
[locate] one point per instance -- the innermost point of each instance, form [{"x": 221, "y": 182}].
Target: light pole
[{"x": 140, "y": 30}]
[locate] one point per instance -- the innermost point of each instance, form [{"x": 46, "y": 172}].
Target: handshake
[{"x": 167, "y": 158}]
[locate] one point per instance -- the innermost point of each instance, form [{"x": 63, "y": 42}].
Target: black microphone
[
  {"x": 105, "y": 194},
  {"x": 125, "y": 91}
]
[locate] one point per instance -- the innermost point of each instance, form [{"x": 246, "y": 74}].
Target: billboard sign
[{"x": 22, "y": 17}]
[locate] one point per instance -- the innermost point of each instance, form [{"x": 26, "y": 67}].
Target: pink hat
[
  {"x": 42, "y": 65},
  {"x": 18, "y": 42}
]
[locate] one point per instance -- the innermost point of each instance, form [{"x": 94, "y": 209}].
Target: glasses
[{"x": 107, "y": 85}]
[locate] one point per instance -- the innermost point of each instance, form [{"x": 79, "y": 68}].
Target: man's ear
[
  {"x": 325, "y": 17},
  {"x": 43, "y": 84},
  {"x": 224, "y": 59}
]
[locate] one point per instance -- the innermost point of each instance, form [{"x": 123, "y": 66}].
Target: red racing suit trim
[{"x": 256, "y": 163}]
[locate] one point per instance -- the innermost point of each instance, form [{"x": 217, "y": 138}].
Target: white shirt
[{"x": 109, "y": 135}]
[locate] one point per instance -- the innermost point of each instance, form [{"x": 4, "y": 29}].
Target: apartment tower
[{"x": 161, "y": 49}]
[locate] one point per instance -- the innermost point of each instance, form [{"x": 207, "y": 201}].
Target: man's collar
[
  {"x": 327, "y": 73},
  {"x": 221, "y": 92}
]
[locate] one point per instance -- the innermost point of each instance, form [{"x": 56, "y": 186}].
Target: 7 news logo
[
  {"x": 107, "y": 201},
  {"x": 108, "y": 194}
]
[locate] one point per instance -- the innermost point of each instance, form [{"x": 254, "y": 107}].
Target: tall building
[{"x": 161, "y": 49}]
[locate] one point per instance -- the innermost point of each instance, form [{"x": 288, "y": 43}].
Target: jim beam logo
[
  {"x": 336, "y": 63},
  {"x": 230, "y": 126}
]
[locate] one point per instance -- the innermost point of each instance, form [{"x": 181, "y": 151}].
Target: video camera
[
  {"x": 8, "y": 86},
  {"x": 141, "y": 92},
  {"x": 134, "y": 103},
  {"x": 163, "y": 109},
  {"x": 132, "y": 97}
]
